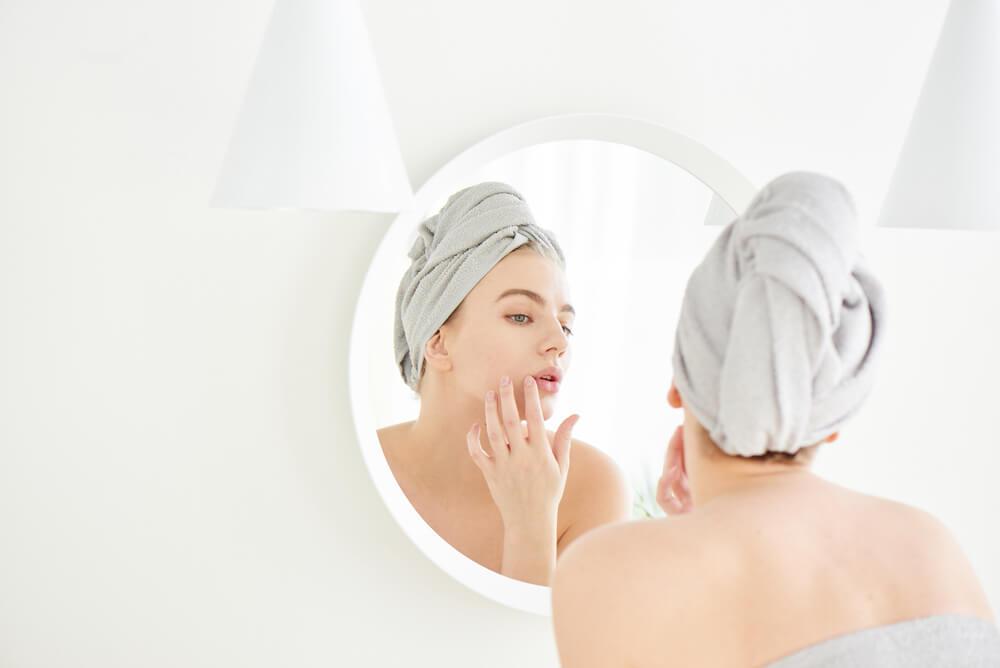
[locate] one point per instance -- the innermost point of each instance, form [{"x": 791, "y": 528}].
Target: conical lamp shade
[
  {"x": 315, "y": 130},
  {"x": 948, "y": 174}
]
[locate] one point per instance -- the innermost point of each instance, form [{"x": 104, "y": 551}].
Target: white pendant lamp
[
  {"x": 948, "y": 174},
  {"x": 314, "y": 131}
]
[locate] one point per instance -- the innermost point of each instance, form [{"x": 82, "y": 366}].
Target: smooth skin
[
  {"x": 757, "y": 560},
  {"x": 513, "y": 509}
]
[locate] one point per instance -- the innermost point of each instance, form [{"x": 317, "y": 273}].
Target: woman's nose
[{"x": 558, "y": 339}]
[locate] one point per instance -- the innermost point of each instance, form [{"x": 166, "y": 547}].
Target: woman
[
  {"x": 483, "y": 335},
  {"x": 765, "y": 563}
]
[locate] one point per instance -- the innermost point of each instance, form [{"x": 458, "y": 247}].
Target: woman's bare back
[{"x": 764, "y": 575}]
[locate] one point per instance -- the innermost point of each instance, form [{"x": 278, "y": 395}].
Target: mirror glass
[{"x": 632, "y": 226}]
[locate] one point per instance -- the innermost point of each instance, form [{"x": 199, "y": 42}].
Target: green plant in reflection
[{"x": 644, "y": 506}]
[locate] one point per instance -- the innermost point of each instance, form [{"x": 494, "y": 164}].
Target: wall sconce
[
  {"x": 314, "y": 131},
  {"x": 948, "y": 174}
]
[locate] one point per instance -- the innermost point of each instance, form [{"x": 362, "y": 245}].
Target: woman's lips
[{"x": 547, "y": 385}]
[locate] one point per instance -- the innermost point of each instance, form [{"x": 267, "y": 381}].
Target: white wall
[{"x": 179, "y": 478}]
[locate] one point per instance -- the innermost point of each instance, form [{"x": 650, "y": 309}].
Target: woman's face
[{"x": 517, "y": 322}]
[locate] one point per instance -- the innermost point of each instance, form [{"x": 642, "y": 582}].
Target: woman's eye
[{"x": 524, "y": 319}]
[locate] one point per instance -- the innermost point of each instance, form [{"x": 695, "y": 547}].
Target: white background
[{"x": 179, "y": 479}]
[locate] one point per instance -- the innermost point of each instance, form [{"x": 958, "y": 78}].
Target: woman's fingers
[
  {"x": 494, "y": 428},
  {"x": 527, "y": 480},
  {"x": 562, "y": 441},
  {"x": 682, "y": 488},
  {"x": 533, "y": 411},
  {"x": 510, "y": 418},
  {"x": 664, "y": 489},
  {"x": 672, "y": 457},
  {"x": 665, "y": 496},
  {"x": 684, "y": 494},
  {"x": 673, "y": 493},
  {"x": 481, "y": 459}
]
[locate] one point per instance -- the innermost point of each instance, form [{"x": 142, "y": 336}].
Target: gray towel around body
[
  {"x": 955, "y": 641},
  {"x": 782, "y": 322},
  {"x": 453, "y": 251}
]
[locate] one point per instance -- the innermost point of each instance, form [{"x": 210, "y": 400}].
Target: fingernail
[
  {"x": 505, "y": 381},
  {"x": 528, "y": 380},
  {"x": 490, "y": 396}
]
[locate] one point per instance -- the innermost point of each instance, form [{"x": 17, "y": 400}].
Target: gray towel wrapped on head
[
  {"x": 454, "y": 250},
  {"x": 782, "y": 322}
]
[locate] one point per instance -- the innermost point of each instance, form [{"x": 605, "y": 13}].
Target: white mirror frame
[{"x": 712, "y": 170}]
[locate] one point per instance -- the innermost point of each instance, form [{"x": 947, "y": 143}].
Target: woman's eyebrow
[{"x": 533, "y": 296}]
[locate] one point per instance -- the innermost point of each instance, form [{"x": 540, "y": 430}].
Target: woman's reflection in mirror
[{"x": 484, "y": 335}]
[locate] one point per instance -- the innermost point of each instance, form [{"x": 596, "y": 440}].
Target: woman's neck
[
  {"x": 716, "y": 478},
  {"x": 437, "y": 451}
]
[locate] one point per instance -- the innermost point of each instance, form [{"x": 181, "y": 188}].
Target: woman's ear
[
  {"x": 436, "y": 352},
  {"x": 674, "y": 397}
]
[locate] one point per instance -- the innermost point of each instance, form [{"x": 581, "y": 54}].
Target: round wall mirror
[{"x": 634, "y": 207}]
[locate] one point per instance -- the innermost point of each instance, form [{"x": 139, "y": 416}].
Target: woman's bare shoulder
[
  {"x": 392, "y": 438},
  {"x": 392, "y": 433},
  {"x": 931, "y": 554},
  {"x": 648, "y": 544},
  {"x": 613, "y": 555},
  {"x": 588, "y": 462},
  {"x": 908, "y": 526},
  {"x": 591, "y": 468},
  {"x": 597, "y": 492},
  {"x": 616, "y": 590}
]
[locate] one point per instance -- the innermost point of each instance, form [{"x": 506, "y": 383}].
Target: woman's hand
[
  {"x": 526, "y": 476},
  {"x": 673, "y": 493}
]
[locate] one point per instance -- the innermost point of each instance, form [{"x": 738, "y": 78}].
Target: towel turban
[
  {"x": 453, "y": 251},
  {"x": 782, "y": 322}
]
